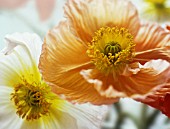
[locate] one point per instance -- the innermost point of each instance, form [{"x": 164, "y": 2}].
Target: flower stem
[{"x": 147, "y": 121}]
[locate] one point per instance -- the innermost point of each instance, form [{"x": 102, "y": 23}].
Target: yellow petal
[{"x": 87, "y": 16}]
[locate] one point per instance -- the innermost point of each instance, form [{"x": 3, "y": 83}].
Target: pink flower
[{"x": 44, "y": 7}]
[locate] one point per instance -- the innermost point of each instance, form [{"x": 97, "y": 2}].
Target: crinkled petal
[
  {"x": 8, "y": 117},
  {"x": 159, "y": 98},
  {"x": 52, "y": 121},
  {"x": 88, "y": 116},
  {"x": 102, "y": 83},
  {"x": 152, "y": 42},
  {"x": 63, "y": 57},
  {"x": 87, "y": 16},
  {"x": 66, "y": 122},
  {"x": 64, "y": 115},
  {"x": 60, "y": 118},
  {"x": 142, "y": 81},
  {"x": 30, "y": 42},
  {"x": 21, "y": 57}
]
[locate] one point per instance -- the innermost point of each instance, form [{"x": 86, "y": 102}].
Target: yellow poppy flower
[
  {"x": 154, "y": 10},
  {"x": 102, "y": 52},
  {"x": 26, "y": 101}
]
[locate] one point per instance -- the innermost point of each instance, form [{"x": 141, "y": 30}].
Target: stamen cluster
[
  {"x": 111, "y": 48},
  {"x": 32, "y": 100}
]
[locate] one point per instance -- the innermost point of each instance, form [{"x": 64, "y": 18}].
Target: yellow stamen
[
  {"x": 32, "y": 100},
  {"x": 111, "y": 48}
]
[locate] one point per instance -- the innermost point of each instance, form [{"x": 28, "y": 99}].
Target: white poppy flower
[{"x": 27, "y": 102}]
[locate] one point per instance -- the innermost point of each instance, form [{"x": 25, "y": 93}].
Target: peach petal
[
  {"x": 110, "y": 92},
  {"x": 157, "y": 53},
  {"x": 158, "y": 98},
  {"x": 152, "y": 42},
  {"x": 151, "y": 36},
  {"x": 138, "y": 83},
  {"x": 85, "y": 18},
  {"x": 62, "y": 58},
  {"x": 151, "y": 75}
]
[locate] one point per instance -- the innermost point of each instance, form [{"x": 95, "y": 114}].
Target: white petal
[
  {"x": 64, "y": 115},
  {"x": 36, "y": 124},
  {"x": 23, "y": 54},
  {"x": 88, "y": 116},
  {"x": 30, "y": 42},
  {"x": 60, "y": 120},
  {"x": 159, "y": 65},
  {"x": 9, "y": 73},
  {"x": 8, "y": 117},
  {"x": 55, "y": 120}
]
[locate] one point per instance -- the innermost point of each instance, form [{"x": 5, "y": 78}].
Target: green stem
[
  {"x": 142, "y": 124},
  {"x": 147, "y": 121},
  {"x": 120, "y": 118},
  {"x": 151, "y": 119}
]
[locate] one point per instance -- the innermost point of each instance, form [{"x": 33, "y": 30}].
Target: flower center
[
  {"x": 32, "y": 100},
  {"x": 111, "y": 48}
]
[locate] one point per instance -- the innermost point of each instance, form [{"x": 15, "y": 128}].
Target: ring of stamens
[
  {"x": 32, "y": 100},
  {"x": 111, "y": 48}
]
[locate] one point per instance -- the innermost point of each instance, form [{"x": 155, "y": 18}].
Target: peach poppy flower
[{"x": 102, "y": 52}]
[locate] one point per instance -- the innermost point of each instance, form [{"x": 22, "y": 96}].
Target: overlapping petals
[
  {"x": 67, "y": 67},
  {"x": 65, "y": 55},
  {"x": 87, "y": 16},
  {"x": 138, "y": 82},
  {"x": 158, "y": 98},
  {"x": 153, "y": 42},
  {"x": 23, "y": 49},
  {"x": 18, "y": 68}
]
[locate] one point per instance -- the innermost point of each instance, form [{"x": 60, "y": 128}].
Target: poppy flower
[
  {"x": 102, "y": 52},
  {"x": 27, "y": 102}
]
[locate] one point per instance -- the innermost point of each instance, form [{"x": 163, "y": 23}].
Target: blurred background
[{"x": 38, "y": 16}]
